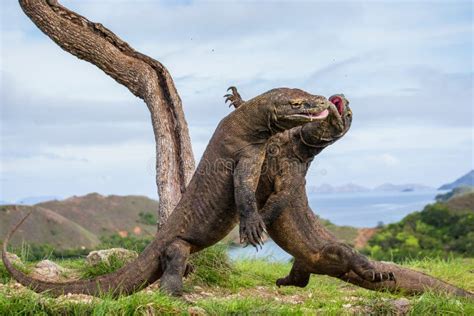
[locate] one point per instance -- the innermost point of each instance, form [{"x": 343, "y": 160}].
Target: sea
[{"x": 361, "y": 209}]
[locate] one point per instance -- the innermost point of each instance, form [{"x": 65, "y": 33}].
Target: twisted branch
[{"x": 145, "y": 77}]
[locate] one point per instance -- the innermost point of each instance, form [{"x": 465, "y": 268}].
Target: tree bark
[{"x": 145, "y": 77}]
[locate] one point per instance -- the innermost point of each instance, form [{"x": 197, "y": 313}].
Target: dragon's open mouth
[{"x": 339, "y": 103}]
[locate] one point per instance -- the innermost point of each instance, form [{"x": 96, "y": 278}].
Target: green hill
[
  {"x": 441, "y": 229},
  {"x": 458, "y": 191}
]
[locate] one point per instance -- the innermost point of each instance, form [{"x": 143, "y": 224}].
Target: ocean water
[
  {"x": 367, "y": 209},
  {"x": 364, "y": 209}
]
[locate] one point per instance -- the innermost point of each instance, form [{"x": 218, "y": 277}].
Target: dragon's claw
[
  {"x": 252, "y": 230},
  {"x": 234, "y": 97},
  {"x": 378, "y": 276},
  {"x": 233, "y": 89}
]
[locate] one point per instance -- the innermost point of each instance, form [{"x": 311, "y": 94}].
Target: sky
[{"x": 406, "y": 67}]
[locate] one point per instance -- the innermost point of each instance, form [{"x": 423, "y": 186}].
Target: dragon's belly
[{"x": 210, "y": 207}]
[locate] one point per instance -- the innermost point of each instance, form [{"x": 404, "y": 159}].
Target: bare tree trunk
[{"x": 145, "y": 77}]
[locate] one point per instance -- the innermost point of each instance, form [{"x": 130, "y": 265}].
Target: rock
[
  {"x": 99, "y": 256},
  {"x": 48, "y": 270},
  {"x": 77, "y": 298},
  {"x": 196, "y": 311},
  {"x": 15, "y": 260},
  {"x": 401, "y": 306}
]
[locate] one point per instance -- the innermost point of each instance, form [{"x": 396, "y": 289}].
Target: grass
[
  {"x": 247, "y": 287},
  {"x": 212, "y": 267},
  {"x": 88, "y": 272}
]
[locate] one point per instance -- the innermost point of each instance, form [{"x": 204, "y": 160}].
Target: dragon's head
[
  {"x": 290, "y": 108},
  {"x": 336, "y": 125}
]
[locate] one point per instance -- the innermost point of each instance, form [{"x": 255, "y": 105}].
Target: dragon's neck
[
  {"x": 252, "y": 121},
  {"x": 305, "y": 146}
]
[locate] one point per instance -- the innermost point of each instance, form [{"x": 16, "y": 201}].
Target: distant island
[
  {"x": 465, "y": 180},
  {"x": 355, "y": 188}
]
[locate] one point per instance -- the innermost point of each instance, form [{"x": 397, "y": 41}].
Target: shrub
[{"x": 434, "y": 232}]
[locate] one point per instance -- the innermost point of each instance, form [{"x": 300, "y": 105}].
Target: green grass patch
[
  {"x": 219, "y": 286},
  {"x": 212, "y": 266},
  {"x": 431, "y": 304},
  {"x": 4, "y": 275},
  {"x": 112, "y": 264}
]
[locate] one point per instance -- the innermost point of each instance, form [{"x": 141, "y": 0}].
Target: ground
[{"x": 248, "y": 288}]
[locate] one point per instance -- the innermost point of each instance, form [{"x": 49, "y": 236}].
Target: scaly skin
[
  {"x": 293, "y": 226},
  {"x": 206, "y": 213}
]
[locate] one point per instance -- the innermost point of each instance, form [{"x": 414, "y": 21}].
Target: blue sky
[{"x": 68, "y": 129}]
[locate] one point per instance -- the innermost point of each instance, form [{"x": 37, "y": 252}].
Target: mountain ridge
[{"x": 465, "y": 180}]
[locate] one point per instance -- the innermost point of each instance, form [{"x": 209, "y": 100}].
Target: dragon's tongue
[{"x": 321, "y": 115}]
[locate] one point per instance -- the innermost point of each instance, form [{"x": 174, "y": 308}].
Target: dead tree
[{"x": 145, "y": 77}]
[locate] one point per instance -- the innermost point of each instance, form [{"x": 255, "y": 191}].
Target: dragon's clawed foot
[
  {"x": 234, "y": 97},
  {"x": 252, "y": 229},
  {"x": 190, "y": 268},
  {"x": 283, "y": 282},
  {"x": 373, "y": 275},
  {"x": 288, "y": 281}
]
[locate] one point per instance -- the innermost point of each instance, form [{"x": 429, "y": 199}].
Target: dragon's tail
[
  {"x": 134, "y": 276},
  {"x": 407, "y": 280}
]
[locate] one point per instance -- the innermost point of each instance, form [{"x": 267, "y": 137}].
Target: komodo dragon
[
  {"x": 208, "y": 210},
  {"x": 291, "y": 223}
]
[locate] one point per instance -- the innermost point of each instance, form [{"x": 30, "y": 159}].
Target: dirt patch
[{"x": 363, "y": 237}]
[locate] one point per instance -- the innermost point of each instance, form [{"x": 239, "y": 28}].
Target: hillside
[
  {"x": 458, "y": 191},
  {"x": 81, "y": 221},
  {"x": 45, "y": 226},
  {"x": 463, "y": 203},
  {"x": 465, "y": 180},
  {"x": 107, "y": 215},
  {"x": 441, "y": 229}
]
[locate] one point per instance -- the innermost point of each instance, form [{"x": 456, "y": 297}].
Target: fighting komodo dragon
[
  {"x": 207, "y": 211},
  {"x": 291, "y": 223}
]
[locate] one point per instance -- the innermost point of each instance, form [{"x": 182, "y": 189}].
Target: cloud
[{"x": 389, "y": 159}]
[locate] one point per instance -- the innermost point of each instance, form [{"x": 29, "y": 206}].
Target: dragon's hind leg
[
  {"x": 299, "y": 276},
  {"x": 174, "y": 263},
  {"x": 334, "y": 259},
  {"x": 337, "y": 259}
]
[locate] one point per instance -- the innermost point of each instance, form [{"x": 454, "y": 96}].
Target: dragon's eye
[{"x": 296, "y": 104}]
